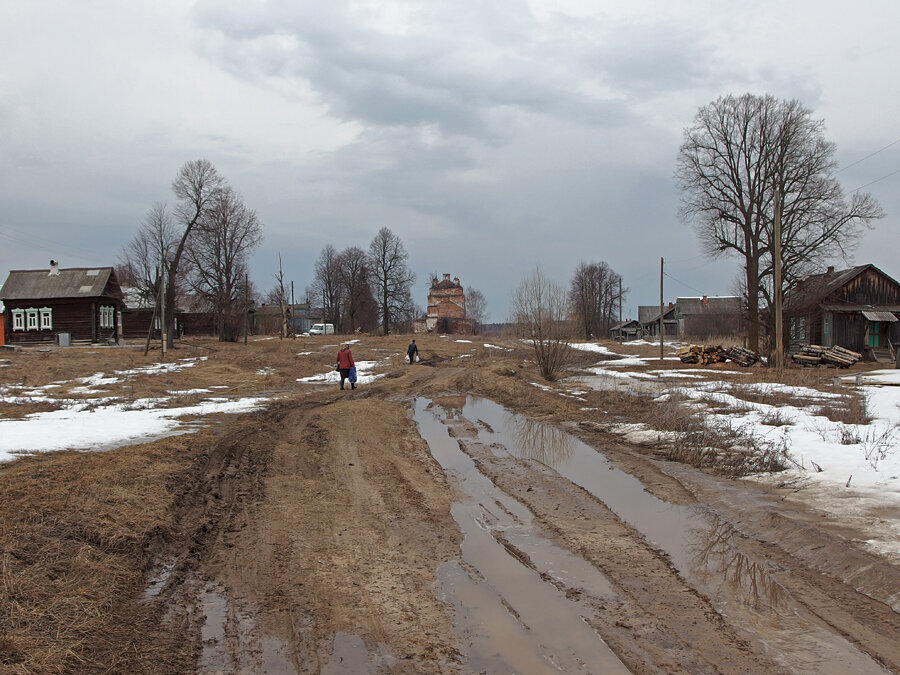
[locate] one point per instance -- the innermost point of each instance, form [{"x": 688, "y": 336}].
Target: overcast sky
[{"x": 490, "y": 136}]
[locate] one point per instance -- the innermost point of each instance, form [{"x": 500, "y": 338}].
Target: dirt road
[{"x": 444, "y": 517}]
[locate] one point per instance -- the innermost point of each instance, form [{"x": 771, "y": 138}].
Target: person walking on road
[
  {"x": 345, "y": 363},
  {"x": 412, "y": 352}
]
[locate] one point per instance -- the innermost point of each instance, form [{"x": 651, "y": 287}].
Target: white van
[{"x": 322, "y": 329}]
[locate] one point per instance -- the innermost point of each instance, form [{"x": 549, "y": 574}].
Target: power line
[
  {"x": 877, "y": 180},
  {"x": 34, "y": 241},
  {"x": 683, "y": 283},
  {"x": 869, "y": 155}
]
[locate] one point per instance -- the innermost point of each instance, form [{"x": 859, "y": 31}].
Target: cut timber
[
  {"x": 742, "y": 356},
  {"x": 814, "y": 355},
  {"x": 703, "y": 355}
]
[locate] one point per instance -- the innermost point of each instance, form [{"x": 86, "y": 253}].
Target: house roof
[
  {"x": 717, "y": 305},
  {"x": 815, "y": 288},
  {"x": 76, "y": 282},
  {"x": 650, "y": 314}
]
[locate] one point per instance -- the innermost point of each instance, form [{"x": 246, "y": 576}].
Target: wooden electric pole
[
  {"x": 779, "y": 325},
  {"x": 661, "y": 324},
  {"x": 621, "y": 332}
]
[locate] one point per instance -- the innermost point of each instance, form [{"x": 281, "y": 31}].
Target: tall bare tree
[
  {"x": 733, "y": 156},
  {"x": 594, "y": 297},
  {"x": 149, "y": 253},
  {"x": 223, "y": 238},
  {"x": 540, "y": 313},
  {"x": 360, "y": 307},
  {"x": 326, "y": 286},
  {"x": 392, "y": 279},
  {"x": 196, "y": 186},
  {"x": 279, "y": 295},
  {"x": 476, "y": 308}
]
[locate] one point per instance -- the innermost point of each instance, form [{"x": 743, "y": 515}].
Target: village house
[
  {"x": 708, "y": 317},
  {"x": 648, "y": 318},
  {"x": 61, "y": 306},
  {"x": 856, "y": 308},
  {"x": 693, "y": 318},
  {"x": 625, "y": 331},
  {"x": 446, "y": 311}
]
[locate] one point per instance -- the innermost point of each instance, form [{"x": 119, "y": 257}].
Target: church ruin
[{"x": 446, "y": 311}]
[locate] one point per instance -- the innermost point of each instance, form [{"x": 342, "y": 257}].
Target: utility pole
[
  {"x": 779, "y": 325},
  {"x": 246, "y": 305},
  {"x": 621, "y": 332},
  {"x": 162, "y": 311},
  {"x": 661, "y": 324}
]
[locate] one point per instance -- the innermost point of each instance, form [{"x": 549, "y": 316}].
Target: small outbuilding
[
  {"x": 625, "y": 331},
  {"x": 60, "y": 306}
]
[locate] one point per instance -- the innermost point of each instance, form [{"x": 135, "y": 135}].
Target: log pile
[
  {"x": 816, "y": 355},
  {"x": 742, "y": 356},
  {"x": 704, "y": 355}
]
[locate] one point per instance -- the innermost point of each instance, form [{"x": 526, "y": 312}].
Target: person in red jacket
[{"x": 345, "y": 363}]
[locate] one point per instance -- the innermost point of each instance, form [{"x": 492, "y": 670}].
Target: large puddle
[
  {"x": 511, "y": 618},
  {"x": 503, "y": 606}
]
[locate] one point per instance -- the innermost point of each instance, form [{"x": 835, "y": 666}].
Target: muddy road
[{"x": 445, "y": 517}]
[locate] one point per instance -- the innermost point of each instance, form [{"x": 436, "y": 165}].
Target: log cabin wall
[
  {"x": 78, "y": 317},
  {"x": 868, "y": 289}
]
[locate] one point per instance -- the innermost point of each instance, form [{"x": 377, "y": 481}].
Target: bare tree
[
  {"x": 326, "y": 286},
  {"x": 733, "y": 156},
  {"x": 279, "y": 295},
  {"x": 392, "y": 279},
  {"x": 196, "y": 186},
  {"x": 476, "y": 307},
  {"x": 223, "y": 238},
  {"x": 541, "y": 316},
  {"x": 360, "y": 307},
  {"x": 594, "y": 297},
  {"x": 145, "y": 257}
]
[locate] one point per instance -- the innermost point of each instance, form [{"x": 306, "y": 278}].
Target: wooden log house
[
  {"x": 856, "y": 308},
  {"x": 61, "y": 306}
]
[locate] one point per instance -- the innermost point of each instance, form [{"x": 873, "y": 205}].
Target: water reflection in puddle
[
  {"x": 511, "y": 618},
  {"x": 700, "y": 547}
]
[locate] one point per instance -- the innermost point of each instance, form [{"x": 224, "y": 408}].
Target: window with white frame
[
  {"x": 107, "y": 317},
  {"x": 46, "y": 318},
  {"x": 18, "y": 318},
  {"x": 31, "y": 318}
]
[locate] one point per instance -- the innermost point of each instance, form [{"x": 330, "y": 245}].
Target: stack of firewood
[
  {"x": 815, "y": 355},
  {"x": 742, "y": 356},
  {"x": 703, "y": 355}
]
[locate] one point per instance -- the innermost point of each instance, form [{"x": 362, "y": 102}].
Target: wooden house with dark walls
[
  {"x": 648, "y": 318},
  {"x": 80, "y": 304},
  {"x": 709, "y": 317},
  {"x": 856, "y": 308}
]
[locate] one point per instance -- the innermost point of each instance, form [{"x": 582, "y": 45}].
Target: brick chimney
[
  {"x": 456, "y": 280},
  {"x": 54, "y": 269},
  {"x": 830, "y": 269},
  {"x": 446, "y": 277},
  {"x": 704, "y": 300}
]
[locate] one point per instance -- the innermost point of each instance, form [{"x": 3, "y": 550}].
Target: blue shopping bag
[{"x": 352, "y": 375}]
